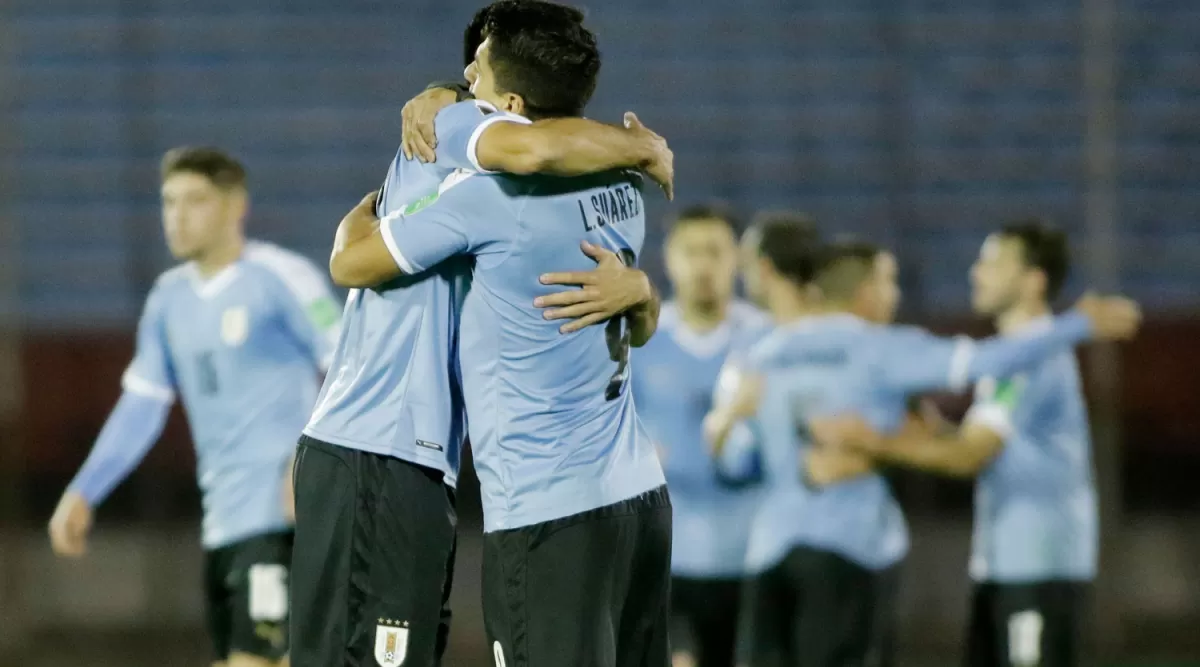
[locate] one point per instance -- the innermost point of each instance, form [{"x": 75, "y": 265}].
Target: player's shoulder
[
  {"x": 472, "y": 112},
  {"x": 295, "y": 272},
  {"x": 171, "y": 281}
]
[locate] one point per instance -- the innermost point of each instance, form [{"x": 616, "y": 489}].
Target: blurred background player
[
  {"x": 820, "y": 550},
  {"x": 1026, "y": 436},
  {"x": 242, "y": 330},
  {"x": 563, "y": 462},
  {"x": 388, "y": 428},
  {"x": 673, "y": 384}
]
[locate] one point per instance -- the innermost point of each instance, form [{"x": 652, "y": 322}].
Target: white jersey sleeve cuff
[
  {"x": 960, "y": 363},
  {"x": 995, "y": 417},
  {"x": 385, "y": 227},
  {"x": 135, "y": 384},
  {"x": 473, "y": 142}
]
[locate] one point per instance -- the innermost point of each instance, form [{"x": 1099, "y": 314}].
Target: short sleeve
[
  {"x": 467, "y": 216},
  {"x": 458, "y": 128},
  {"x": 310, "y": 311},
  {"x": 995, "y": 402},
  {"x": 912, "y": 360},
  {"x": 150, "y": 373}
]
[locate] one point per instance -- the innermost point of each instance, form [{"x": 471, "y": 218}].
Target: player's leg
[
  {"x": 983, "y": 647},
  {"x": 882, "y": 649},
  {"x": 833, "y": 622},
  {"x": 325, "y": 551},
  {"x": 403, "y": 589},
  {"x": 553, "y": 592},
  {"x": 643, "y": 635},
  {"x": 768, "y": 604},
  {"x": 258, "y": 582},
  {"x": 711, "y": 617},
  {"x": 1040, "y": 623},
  {"x": 217, "y": 607},
  {"x": 685, "y": 604}
]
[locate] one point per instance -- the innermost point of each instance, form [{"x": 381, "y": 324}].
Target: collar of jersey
[
  {"x": 214, "y": 284},
  {"x": 825, "y": 319}
]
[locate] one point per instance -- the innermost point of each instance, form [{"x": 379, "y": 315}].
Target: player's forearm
[
  {"x": 130, "y": 432},
  {"x": 823, "y": 468},
  {"x": 360, "y": 256},
  {"x": 561, "y": 147},
  {"x": 1005, "y": 356},
  {"x": 947, "y": 455},
  {"x": 643, "y": 319}
]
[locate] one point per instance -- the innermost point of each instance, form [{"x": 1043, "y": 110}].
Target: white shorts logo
[
  {"x": 235, "y": 325},
  {"x": 391, "y": 642},
  {"x": 498, "y": 654},
  {"x": 1025, "y": 638}
]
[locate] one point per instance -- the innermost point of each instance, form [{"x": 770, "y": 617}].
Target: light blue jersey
[
  {"x": 552, "y": 423},
  {"x": 673, "y": 380},
  {"x": 1035, "y": 505},
  {"x": 839, "y": 364},
  {"x": 394, "y": 387},
  {"x": 244, "y": 349}
]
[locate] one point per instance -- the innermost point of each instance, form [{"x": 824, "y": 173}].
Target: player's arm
[
  {"x": 914, "y": 361},
  {"x": 739, "y": 391},
  {"x": 824, "y": 466},
  {"x": 477, "y": 137},
  {"x": 130, "y": 431},
  {"x": 464, "y": 219}
]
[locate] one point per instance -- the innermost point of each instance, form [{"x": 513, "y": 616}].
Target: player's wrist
[{"x": 461, "y": 90}]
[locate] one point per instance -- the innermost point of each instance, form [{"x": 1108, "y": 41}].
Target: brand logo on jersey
[
  {"x": 235, "y": 325},
  {"x": 391, "y": 642}
]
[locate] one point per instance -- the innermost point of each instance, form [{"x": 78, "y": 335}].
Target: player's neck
[
  {"x": 218, "y": 258},
  {"x": 702, "y": 318},
  {"x": 1020, "y": 315},
  {"x": 787, "y": 306}
]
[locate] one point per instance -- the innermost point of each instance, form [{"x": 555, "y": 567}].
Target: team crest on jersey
[
  {"x": 235, "y": 325},
  {"x": 391, "y": 642}
]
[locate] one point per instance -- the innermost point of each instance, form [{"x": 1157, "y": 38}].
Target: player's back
[
  {"x": 1035, "y": 504},
  {"x": 553, "y": 426},
  {"x": 815, "y": 367},
  {"x": 391, "y": 388},
  {"x": 244, "y": 348}
]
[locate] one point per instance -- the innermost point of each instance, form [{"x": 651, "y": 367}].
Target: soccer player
[
  {"x": 576, "y": 516},
  {"x": 673, "y": 384},
  {"x": 241, "y": 331},
  {"x": 379, "y": 459},
  {"x": 819, "y": 549},
  {"x": 1026, "y": 437}
]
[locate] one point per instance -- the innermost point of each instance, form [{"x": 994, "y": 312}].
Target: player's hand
[
  {"x": 416, "y": 129},
  {"x": 70, "y": 525},
  {"x": 660, "y": 165},
  {"x": 746, "y": 398},
  {"x": 1113, "y": 318},
  {"x": 606, "y": 291},
  {"x": 844, "y": 433}
]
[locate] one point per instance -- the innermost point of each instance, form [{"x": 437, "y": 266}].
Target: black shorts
[
  {"x": 1018, "y": 624},
  {"x": 814, "y": 609},
  {"x": 704, "y": 618},
  {"x": 374, "y": 560},
  {"x": 588, "y": 590},
  {"x": 246, "y": 596}
]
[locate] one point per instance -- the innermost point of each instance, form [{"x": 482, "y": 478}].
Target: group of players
[{"x": 505, "y": 214}]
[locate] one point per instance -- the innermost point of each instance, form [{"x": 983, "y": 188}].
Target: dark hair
[
  {"x": 843, "y": 266},
  {"x": 1043, "y": 247},
  {"x": 713, "y": 210},
  {"x": 217, "y": 166},
  {"x": 790, "y": 244},
  {"x": 473, "y": 35},
  {"x": 542, "y": 52}
]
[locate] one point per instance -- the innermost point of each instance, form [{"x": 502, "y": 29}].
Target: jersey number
[
  {"x": 268, "y": 592},
  {"x": 616, "y": 335},
  {"x": 206, "y": 370}
]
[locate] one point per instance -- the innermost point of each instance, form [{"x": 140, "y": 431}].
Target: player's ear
[{"x": 514, "y": 103}]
